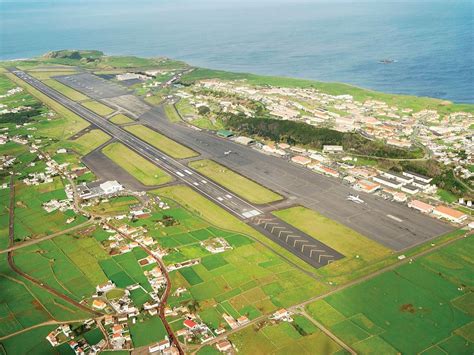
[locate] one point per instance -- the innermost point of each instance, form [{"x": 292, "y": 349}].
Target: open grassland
[
  {"x": 402, "y": 101},
  {"x": 217, "y": 216},
  {"x": 114, "y": 206},
  {"x": 31, "y": 220},
  {"x": 30, "y": 342},
  {"x": 245, "y": 188},
  {"x": 171, "y": 113},
  {"x": 359, "y": 251},
  {"x": 298, "y": 337},
  {"x": 67, "y": 125},
  {"x": 69, "y": 264},
  {"x": 120, "y": 119},
  {"x": 423, "y": 305},
  {"x": 65, "y": 90},
  {"x": 137, "y": 166},
  {"x": 161, "y": 142},
  {"x": 98, "y": 107},
  {"x": 85, "y": 143},
  {"x": 148, "y": 331}
]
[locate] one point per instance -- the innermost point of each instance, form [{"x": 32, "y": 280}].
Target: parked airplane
[
  {"x": 355, "y": 199},
  {"x": 228, "y": 152}
]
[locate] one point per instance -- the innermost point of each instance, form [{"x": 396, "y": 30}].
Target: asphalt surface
[
  {"x": 218, "y": 194},
  {"x": 391, "y": 224}
]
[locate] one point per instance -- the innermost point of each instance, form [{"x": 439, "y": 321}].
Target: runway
[
  {"x": 218, "y": 194},
  {"x": 391, "y": 224}
]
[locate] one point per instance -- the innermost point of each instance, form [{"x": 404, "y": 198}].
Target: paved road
[{"x": 309, "y": 250}]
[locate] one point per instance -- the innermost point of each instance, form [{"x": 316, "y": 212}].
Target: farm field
[
  {"x": 98, "y": 108},
  {"x": 4, "y": 217},
  {"x": 31, "y": 220},
  {"x": 358, "y": 250},
  {"x": 140, "y": 168},
  {"x": 68, "y": 263},
  {"x": 161, "y": 142},
  {"x": 148, "y": 331},
  {"x": 219, "y": 217},
  {"x": 30, "y": 342},
  {"x": 242, "y": 186},
  {"x": 297, "y": 337},
  {"x": 427, "y": 306},
  {"x": 120, "y": 119}
]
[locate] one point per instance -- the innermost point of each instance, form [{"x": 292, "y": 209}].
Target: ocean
[{"x": 432, "y": 41}]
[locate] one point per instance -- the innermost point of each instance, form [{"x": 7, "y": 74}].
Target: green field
[
  {"x": 114, "y": 206},
  {"x": 86, "y": 143},
  {"x": 240, "y": 185},
  {"x": 359, "y": 251},
  {"x": 171, "y": 113},
  {"x": 298, "y": 337},
  {"x": 30, "y": 342},
  {"x": 415, "y": 307},
  {"x": 146, "y": 332},
  {"x": 163, "y": 143},
  {"x": 68, "y": 264},
  {"x": 67, "y": 125},
  {"x": 4, "y": 217},
  {"x": 98, "y": 107},
  {"x": 120, "y": 119},
  {"x": 137, "y": 166},
  {"x": 446, "y": 196},
  {"x": 65, "y": 90},
  {"x": 31, "y": 220},
  {"x": 219, "y": 217}
]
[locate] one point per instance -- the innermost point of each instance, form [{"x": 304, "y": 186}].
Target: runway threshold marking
[{"x": 394, "y": 218}]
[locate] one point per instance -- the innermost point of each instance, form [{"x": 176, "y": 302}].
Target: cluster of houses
[{"x": 78, "y": 344}]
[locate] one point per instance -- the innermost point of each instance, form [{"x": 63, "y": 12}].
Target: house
[
  {"x": 449, "y": 214},
  {"x": 224, "y": 345},
  {"x": 421, "y": 206},
  {"x": 242, "y": 320},
  {"x": 282, "y": 314},
  {"x": 190, "y": 324},
  {"x": 99, "y": 304},
  {"x": 230, "y": 321},
  {"x": 299, "y": 159},
  {"x": 219, "y": 331},
  {"x": 160, "y": 346},
  {"x": 399, "y": 197},
  {"x": 105, "y": 287}
]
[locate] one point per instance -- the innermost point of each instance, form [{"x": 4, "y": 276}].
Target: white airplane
[
  {"x": 355, "y": 199},
  {"x": 228, "y": 152}
]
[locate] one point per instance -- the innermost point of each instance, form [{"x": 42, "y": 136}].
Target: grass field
[
  {"x": 98, "y": 107},
  {"x": 114, "y": 206},
  {"x": 86, "y": 143},
  {"x": 161, "y": 142},
  {"x": 65, "y": 90},
  {"x": 298, "y": 337},
  {"x": 245, "y": 188},
  {"x": 446, "y": 196},
  {"x": 120, "y": 119},
  {"x": 359, "y": 251},
  {"x": 171, "y": 113},
  {"x": 415, "y": 307},
  {"x": 67, "y": 125},
  {"x": 147, "y": 332},
  {"x": 140, "y": 168},
  {"x": 31, "y": 342},
  {"x": 4, "y": 217},
  {"x": 67, "y": 263}
]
